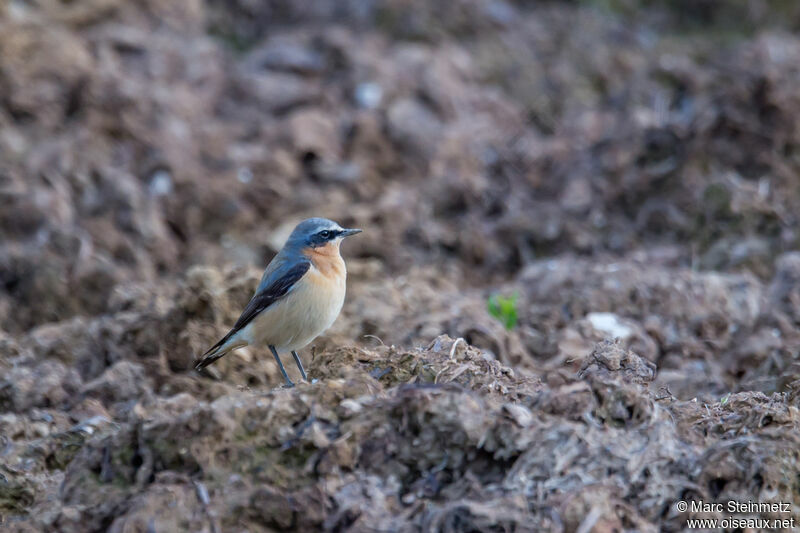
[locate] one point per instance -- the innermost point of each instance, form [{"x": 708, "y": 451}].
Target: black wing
[{"x": 262, "y": 299}]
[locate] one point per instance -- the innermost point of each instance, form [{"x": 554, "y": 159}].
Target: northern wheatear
[{"x": 299, "y": 297}]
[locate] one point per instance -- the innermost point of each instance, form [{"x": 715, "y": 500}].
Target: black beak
[{"x": 348, "y": 232}]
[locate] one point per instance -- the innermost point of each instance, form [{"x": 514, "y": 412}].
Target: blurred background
[{"x": 532, "y": 177}]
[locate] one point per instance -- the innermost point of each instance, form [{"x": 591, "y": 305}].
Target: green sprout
[{"x": 504, "y": 309}]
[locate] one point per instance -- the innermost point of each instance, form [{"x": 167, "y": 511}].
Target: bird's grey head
[{"x": 316, "y": 232}]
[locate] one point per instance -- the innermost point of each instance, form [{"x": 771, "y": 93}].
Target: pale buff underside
[{"x": 304, "y": 313}]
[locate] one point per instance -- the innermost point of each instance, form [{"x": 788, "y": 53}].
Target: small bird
[{"x": 300, "y": 295}]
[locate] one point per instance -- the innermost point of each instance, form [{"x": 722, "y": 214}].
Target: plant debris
[{"x": 632, "y": 181}]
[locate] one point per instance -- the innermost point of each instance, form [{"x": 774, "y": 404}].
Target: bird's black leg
[
  {"x": 299, "y": 365},
  {"x": 283, "y": 370}
]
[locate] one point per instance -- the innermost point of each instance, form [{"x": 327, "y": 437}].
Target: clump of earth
[{"x": 628, "y": 177}]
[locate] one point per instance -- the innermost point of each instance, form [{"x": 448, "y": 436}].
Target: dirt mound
[
  {"x": 437, "y": 438},
  {"x": 625, "y": 173}
]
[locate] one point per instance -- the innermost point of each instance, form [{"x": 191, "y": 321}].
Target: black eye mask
[{"x": 324, "y": 236}]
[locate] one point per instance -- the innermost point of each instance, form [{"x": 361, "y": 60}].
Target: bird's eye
[{"x": 325, "y": 234}]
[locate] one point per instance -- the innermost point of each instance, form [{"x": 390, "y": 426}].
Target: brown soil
[{"x": 631, "y": 175}]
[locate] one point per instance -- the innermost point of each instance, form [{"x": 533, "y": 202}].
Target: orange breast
[{"x": 327, "y": 260}]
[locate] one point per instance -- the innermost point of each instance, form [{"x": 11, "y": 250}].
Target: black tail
[{"x": 215, "y": 352}]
